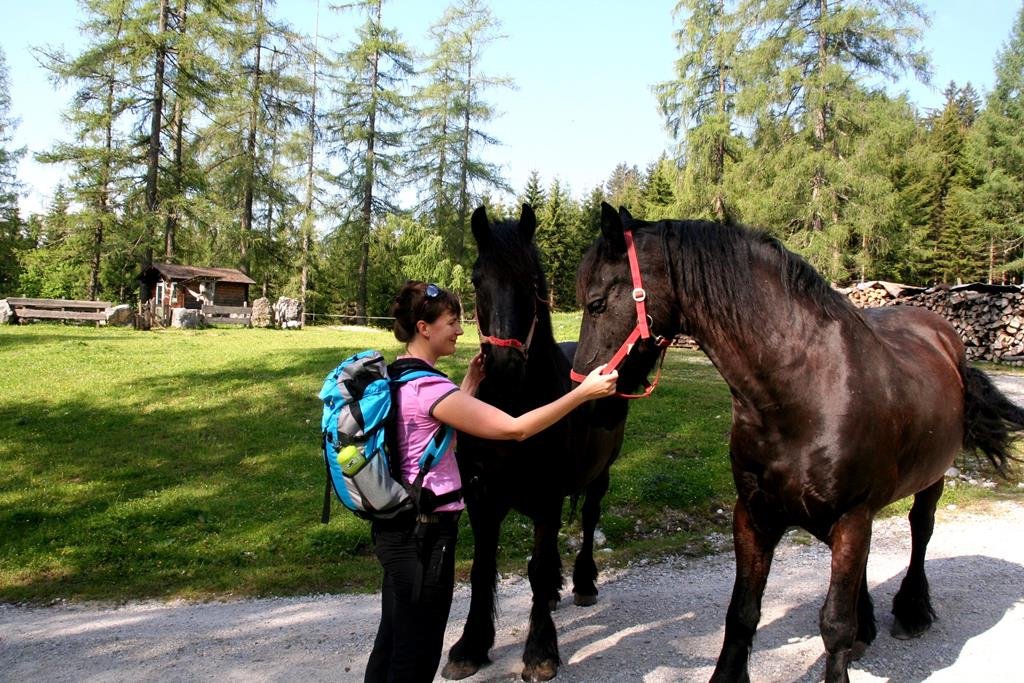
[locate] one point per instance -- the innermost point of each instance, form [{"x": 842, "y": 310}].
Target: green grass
[{"x": 187, "y": 464}]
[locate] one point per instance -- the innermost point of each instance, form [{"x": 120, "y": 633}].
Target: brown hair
[{"x": 413, "y": 303}]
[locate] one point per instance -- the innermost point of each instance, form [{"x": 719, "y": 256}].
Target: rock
[
  {"x": 288, "y": 313},
  {"x": 262, "y": 313},
  {"x": 122, "y": 314},
  {"x": 6, "y": 313},
  {"x": 186, "y": 318}
]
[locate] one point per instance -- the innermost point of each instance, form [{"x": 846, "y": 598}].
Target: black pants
[{"x": 411, "y": 633}]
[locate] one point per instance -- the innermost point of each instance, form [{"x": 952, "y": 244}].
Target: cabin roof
[{"x": 181, "y": 273}]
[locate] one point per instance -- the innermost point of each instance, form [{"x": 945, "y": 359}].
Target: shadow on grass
[
  {"x": 156, "y": 495},
  {"x": 197, "y": 481}
]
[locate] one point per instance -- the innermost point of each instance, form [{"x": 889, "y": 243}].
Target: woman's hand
[
  {"x": 474, "y": 374},
  {"x": 596, "y": 385}
]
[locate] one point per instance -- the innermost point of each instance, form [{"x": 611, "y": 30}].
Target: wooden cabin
[{"x": 170, "y": 286}]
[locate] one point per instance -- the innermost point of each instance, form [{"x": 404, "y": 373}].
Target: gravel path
[{"x": 656, "y": 621}]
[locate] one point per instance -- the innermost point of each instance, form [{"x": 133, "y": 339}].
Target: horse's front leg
[
  {"x": 754, "y": 547},
  {"x": 470, "y": 652},
  {"x": 850, "y": 541},
  {"x": 867, "y": 627},
  {"x": 540, "y": 658},
  {"x": 912, "y": 605},
  {"x": 584, "y": 573}
]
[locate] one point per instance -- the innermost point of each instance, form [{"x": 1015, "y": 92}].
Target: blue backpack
[{"x": 360, "y": 401}]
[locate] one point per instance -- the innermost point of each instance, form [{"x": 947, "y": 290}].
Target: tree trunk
[
  {"x": 460, "y": 226},
  {"x": 156, "y": 124},
  {"x": 307, "y": 219},
  {"x": 367, "y": 212},
  {"x": 105, "y": 179},
  {"x": 250, "y": 146},
  {"x": 719, "y": 160},
  {"x": 820, "y": 123},
  {"x": 275, "y": 131},
  {"x": 171, "y": 225}
]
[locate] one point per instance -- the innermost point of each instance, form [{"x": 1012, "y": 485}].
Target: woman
[{"x": 417, "y": 551}]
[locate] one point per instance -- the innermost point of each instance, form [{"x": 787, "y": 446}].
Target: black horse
[
  {"x": 837, "y": 412},
  {"x": 525, "y": 368}
]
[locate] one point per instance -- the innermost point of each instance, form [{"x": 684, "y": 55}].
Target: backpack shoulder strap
[{"x": 401, "y": 369}]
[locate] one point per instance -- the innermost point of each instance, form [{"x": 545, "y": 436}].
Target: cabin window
[{"x": 160, "y": 294}]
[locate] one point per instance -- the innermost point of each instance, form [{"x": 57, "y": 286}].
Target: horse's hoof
[
  {"x": 553, "y": 603},
  {"x": 581, "y": 600},
  {"x": 456, "y": 671},
  {"x": 901, "y": 632},
  {"x": 544, "y": 671}
]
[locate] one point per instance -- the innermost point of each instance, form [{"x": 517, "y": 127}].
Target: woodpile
[{"x": 989, "y": 318}]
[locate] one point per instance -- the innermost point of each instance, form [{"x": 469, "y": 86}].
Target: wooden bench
[
  {"x": 229, "y": 315},
  {"x": 59, "y": 309}
]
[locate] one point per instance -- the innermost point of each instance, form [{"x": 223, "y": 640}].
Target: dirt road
[{"x": 659, "y": 621}]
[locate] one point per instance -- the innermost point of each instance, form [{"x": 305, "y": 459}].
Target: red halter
[
  {"x": 642, "y": 329},
  {"x": 522, "y": 347}
]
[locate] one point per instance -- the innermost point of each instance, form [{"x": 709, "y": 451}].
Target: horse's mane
[
  {"x": 714, "y": 268},
  {"x": 516, "y": 261}
]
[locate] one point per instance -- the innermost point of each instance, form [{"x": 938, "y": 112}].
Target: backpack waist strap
[{"x": 439, "y": 517}]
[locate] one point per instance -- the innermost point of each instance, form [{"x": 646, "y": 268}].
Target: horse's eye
[{"x": 596, "y": 306}]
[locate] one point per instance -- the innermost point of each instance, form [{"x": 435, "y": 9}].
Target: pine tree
[
  {"x": 559, "y": 239},
  {"x": 996, "y": 148},
  {"x": 56, "y": 265},
  {"x": 198, "y": 71},
  {"x": 366, "y": 128},
  {"x": 534, "y": 194},
  {"x": 623, "y": 188},
  {"x": 11, "y": 239},
  {"x": 659, "y": 199},
  {"x": 453, "y": 114},
  {"x": 801, "y": 82},
  {"x": 947, "y": 134},
  {"x": 701, "y": 100},
  {"x": 103, "y": 160},
  {"x": 306, "y": 216}
]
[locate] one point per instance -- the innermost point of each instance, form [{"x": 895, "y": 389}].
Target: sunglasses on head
[{"x": 432, "y": 291}]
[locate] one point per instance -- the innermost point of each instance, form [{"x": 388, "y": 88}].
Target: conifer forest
[{"x": 333, "y": 168}]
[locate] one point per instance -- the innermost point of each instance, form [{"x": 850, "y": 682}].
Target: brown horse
[{"x": 837, "y": 412}]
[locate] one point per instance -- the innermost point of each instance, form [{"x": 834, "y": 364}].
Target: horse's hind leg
[
  {"x": 912, "y": 605},
  {"x": 850, "y": 541},
  {"x": 754, "y": 547},
  {"x": 470, "y": 652},
  {"x": 584, "y": 573},
  {"x": 540, "y": 658}
]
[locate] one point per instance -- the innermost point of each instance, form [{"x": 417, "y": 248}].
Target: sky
[{"x": 583, "y": 69}]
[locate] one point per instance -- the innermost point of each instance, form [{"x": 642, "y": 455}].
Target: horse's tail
[
  {"x": 992, "y": 421},
  {"x": 574, "y": 500}
]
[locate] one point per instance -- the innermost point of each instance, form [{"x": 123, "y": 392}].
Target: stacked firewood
[
  {"x": 989, "y": 318},
  {"x": 869, "y": 297}
]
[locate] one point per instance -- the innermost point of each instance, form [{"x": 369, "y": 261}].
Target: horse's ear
[
  {"x": 625, "y": 215},
  {"x": 611, "y": 227},
  {"x": 527, "y": 223},
  {"x": 481, "y": 226}
]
